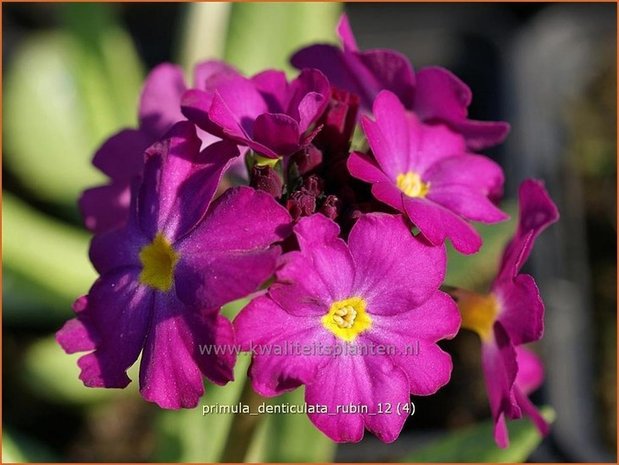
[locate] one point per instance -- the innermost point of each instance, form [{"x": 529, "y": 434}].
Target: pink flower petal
[
  {"x": 376, "y": 383},
  {"x": 437, "y": 223},
  {"x": 395, "y": 271}
]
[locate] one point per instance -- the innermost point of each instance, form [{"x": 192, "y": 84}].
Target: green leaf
[
  {"x": 264, "y": 35},
  {"x": 85, "y": 88},
  {"x": 49, "y": 254},
  {"x": 293, "y": 432},
  {"x": 474, "y": 272},
  {"x": 53, "y": 375},
  {"x": 476, "y": 443}
]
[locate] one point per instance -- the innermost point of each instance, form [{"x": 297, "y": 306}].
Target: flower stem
[{"x": 243, "y": 427}]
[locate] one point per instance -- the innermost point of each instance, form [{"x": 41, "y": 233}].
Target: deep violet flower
[
  {"x": 121, "y": 157},
  {"x": 512, "y": 314},
  {"x": 425, "y": 172},
  {"x": 379, "y": 289},
  {"x": 434, "y": 93},
  {"x": 265, "y": 112},
  {"x": 164, "y": 276}
]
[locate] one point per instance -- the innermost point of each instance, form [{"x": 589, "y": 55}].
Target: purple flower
[
  {"x": 266, "y": 112},
  {"x": 512, "y": 314},
  {"x": 425, "y": 172},
  {"x": 121, "y": 157},
  {"x": 378, "y": 290},
  {"x": 434, "y": 93},
  {"x": 164, "y": 276}
]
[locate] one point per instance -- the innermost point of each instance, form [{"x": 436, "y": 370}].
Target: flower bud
[{"x": 264, "y": 178}]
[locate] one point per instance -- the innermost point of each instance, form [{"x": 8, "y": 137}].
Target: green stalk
[{"x": 243, "y": 427}]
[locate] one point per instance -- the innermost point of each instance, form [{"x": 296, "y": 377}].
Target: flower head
[
  {"x": 267, "y": 113},
  {"x": 121, "y": 157},
  {"x": 424, "y": 171},
  {"x": 512, "y": 314},
  {"x": 378, "y": 290},
  {"x": 435, "y": 94},
  {"x": 166, "y": 273}
]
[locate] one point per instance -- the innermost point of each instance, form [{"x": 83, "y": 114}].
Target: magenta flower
[
  {"x": 121, "y": 157},
  {"x": 434, "y": 93},
  {"x": 381, "y": 289},
  {"x": 512, "y": 314},
  {"x": 266, "y": 113},
  {"x": 164, "y": 276},
  {"x": 425, "y": 172}
]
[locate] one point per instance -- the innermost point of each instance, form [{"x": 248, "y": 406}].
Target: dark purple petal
[
  {"x": 195, "y": 105},
  {"x": 330, "y": 60},
  {"x": 105, "y": 207},
  {"x": 278, "y": 132},
  {"x": 75, "y": 336},
  {"x": 160, "y": 100},
  {"x": 117, "y": 315},
  {"x": 118, "y": 248},
  {"x": 180, "y": 181},
  {"x": 309, "y": 96},
  {"x": 169, "y": 373},
  {"x": 441, "y": 96},
  {"x": 393, "y": 72},
  {"x": 224, "y": 258},
  {"x": 481, "y": 135},
  {"x": 273, "y": 87},
  {"x": 121, "y": 156}
]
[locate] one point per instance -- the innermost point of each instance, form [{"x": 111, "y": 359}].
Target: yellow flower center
[
  {"x": 347, "y": 318},
  {"x": 478, "y": 311},
  {"x": 158, "y": 261},
  {"x": 411, "y": 184}
]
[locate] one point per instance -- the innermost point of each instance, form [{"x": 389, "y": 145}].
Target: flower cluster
[{"x": 332, "y": 246}]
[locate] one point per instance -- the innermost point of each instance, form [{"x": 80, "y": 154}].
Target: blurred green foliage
[{"x": 476, "y": 444}]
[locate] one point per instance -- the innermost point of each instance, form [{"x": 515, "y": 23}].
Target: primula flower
[
  {"x": 424, "y": 171},
  {"x": 512, "y": 314},
  {"x": 164, "y": 276},
  {"x": 434, "y": 93},
  {"x": 380, "y": 289},
  {"x": 266, "y": 113},
  {"x": 121, "y": 157}
]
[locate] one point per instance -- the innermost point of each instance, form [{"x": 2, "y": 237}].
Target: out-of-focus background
[{"x": 71, "y": 77}]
